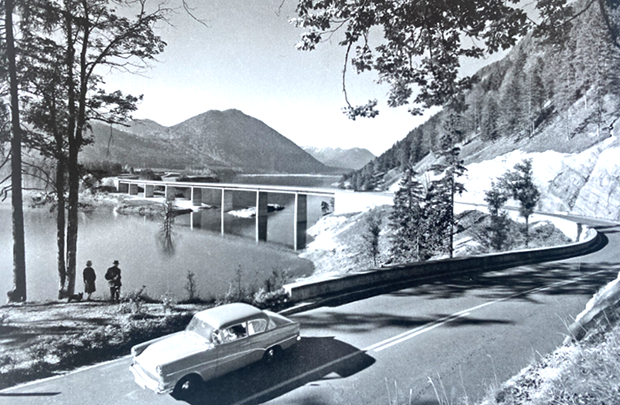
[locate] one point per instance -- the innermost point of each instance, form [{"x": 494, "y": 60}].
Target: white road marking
[
  {"x": 413, "y": 333},
  {"x": 394, "y": 340}
]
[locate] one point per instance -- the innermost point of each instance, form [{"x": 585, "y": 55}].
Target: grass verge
[
  {"x": 43, "y": 340},
  {"x": 577, "y": 373}
]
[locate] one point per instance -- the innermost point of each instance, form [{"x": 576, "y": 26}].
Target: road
[{"x": 448, "y": 339}]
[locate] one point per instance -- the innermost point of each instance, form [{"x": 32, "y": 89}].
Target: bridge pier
[
  {"x": 195, "y": 220},
  {"x": 133, "y": 189},
  {"x": 149, "y": 191},
  {"x": 261, "y": 216},
  {"x": 196, "y": 196},
  {"x": 300, "y": 221},
  {"x": 170, "y": 192},
  {"x": 226, "y": 204}
]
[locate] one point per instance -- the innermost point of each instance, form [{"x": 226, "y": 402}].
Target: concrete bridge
[{"x": 222, "y": 194}]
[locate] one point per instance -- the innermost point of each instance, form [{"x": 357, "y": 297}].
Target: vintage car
[{"x": 215, "y": 342}]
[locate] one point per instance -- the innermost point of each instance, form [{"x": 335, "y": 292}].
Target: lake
[{"x": 137, "y": 243}]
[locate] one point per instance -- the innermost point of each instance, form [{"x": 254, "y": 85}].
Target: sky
[{"x": 245, "y": 59}]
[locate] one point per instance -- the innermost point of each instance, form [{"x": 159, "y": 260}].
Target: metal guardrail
[{"x": 396, "y": 275}]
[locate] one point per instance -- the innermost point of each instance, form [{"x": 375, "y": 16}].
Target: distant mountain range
[
  {"x": 216, "y": 141},
  {"x": 352, "y": 159}
]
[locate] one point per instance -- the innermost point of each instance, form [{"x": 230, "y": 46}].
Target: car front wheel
[
  {"x": 272, "y": 354},
  {"x": 186, "y": 386}
]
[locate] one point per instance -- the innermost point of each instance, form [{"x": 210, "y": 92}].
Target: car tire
[
  {"x": 272, "y": 354},
  {"x": 186, "y": 386}
]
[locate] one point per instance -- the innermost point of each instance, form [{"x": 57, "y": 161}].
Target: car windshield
[{"x": 200, "y": 327}]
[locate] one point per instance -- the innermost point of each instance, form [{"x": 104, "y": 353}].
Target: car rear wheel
[
  {"x": 272, "y": 354},
  {"x": 186, "y": 386}
]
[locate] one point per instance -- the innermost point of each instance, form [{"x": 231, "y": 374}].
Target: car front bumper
[{"x": 144, "y": 380}]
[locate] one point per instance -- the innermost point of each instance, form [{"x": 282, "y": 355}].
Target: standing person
[
  {"x": 113, "y": 275},
  {"x": 89, "y": 279}
]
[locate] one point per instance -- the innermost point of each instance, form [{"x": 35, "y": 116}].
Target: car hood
[{"x": 171, "y": 348}]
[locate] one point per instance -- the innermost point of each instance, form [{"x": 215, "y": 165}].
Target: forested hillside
[
  {"x": 541, "y": 96},
  {"x": 214, "y": 141}
]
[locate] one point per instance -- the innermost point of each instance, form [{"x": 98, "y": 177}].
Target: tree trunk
[
  {"x": 451, "y": 241},
  {"x": 60, "y": 224},
  {"x": 18, "y": 294},
  {"x": 72, "y": 220},
  {"x": 72, "y": 226},
  {"x": 527, "y": 231}
]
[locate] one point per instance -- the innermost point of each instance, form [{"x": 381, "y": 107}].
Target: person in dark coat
[
  {"x": 89, "y": 279},
  {"x": 113, "y": 275}
]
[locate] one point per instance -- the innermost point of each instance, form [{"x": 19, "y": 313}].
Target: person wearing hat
[
  {"x": 89, "y": 279},
  {"x": 113, "y": 275}
]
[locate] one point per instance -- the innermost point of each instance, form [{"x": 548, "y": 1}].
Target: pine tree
[
  {"x": 512, "y": 97},
  {"x": 535, "y": 95},
  {"x": 371, "y": 235},
  {"x": 495, "y": 235},
  {"x": 489, "y": 126},
  {"x": 451, "y": 167},
  {"x": 406, "y": 217}
]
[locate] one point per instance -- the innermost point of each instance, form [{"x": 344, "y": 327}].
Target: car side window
[
  {"x": 234, "y": 332},
  {"x": 257, "y": 326}
]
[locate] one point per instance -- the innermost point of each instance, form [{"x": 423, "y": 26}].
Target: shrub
[{"x": 273, "y": 300}]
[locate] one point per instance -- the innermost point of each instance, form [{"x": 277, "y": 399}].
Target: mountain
[
  {"x": 353, "y": 159},
  {"x": 220, "y": 141},
  {"x": 144, "y": 127},
  {"x": 556, "y": 104}
]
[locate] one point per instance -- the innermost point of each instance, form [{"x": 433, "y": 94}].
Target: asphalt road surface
[{"x": 443, "y": 340}]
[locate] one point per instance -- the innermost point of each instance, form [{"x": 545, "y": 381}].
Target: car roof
[{"x": 230, "y": 314}]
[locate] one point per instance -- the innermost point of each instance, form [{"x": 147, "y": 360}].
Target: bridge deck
[{"x": 326, "y": 192}]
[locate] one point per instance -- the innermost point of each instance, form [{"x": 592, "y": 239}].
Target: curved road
[{"x": 448, "y": 339}]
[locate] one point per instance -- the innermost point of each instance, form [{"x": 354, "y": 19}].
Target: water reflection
[
  {"x": 137, "y": 242},
  {"x": 158, "y": 252},
  {"x": 166, "y": 232}
]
